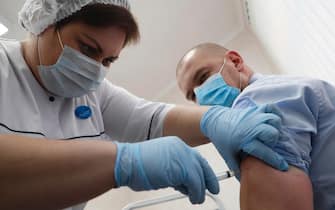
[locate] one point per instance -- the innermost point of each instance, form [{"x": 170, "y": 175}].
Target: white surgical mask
[{"x": 73, "y": 75}]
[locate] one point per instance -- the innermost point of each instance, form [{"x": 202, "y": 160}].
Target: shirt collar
[{"x": 255, "y": 77}]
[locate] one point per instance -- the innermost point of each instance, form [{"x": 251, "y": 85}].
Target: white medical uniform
[{"x": 27, "y": 109}]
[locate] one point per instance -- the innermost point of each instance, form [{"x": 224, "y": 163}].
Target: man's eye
[
  {"x": 193, "y": 97},
  {"x": 203, "y": 78}
]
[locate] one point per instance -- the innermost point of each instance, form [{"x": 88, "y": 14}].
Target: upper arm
[
  {"x": 265, "y": 188},
  {"x": 130, "y": 118}
]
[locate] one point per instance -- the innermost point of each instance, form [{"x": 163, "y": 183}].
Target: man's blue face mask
[{"x": 215, "y": 91}]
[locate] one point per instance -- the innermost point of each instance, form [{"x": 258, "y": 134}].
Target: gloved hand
[
  {"x": 238, "y": 131},
  {"x": 164, "y": 162}
]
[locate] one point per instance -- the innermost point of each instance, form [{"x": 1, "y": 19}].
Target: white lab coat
[{"x": 26, "y": 108}]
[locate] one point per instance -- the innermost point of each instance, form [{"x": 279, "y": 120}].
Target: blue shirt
[{"x": 308, "y": 140}]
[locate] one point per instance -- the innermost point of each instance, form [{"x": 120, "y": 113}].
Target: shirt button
[{"x": 51, "y": 99}]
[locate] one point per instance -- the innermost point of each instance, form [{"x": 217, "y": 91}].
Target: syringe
[{"x": 225, "y": 175}]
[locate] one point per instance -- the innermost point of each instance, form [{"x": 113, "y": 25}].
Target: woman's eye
[
  {"x": 87, "y": 50},
  {"x": 107, "y": 62}
]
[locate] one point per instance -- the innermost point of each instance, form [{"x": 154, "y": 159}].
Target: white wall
[
  {"x": 15, "y": 32},
  {"x": 8, "y": 15},
  {"x": 253, "y": 52},
  {"x": 168, "y": 29},
  {"x": 298, "y": 35}
]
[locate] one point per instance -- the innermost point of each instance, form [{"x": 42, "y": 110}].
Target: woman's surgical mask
[
  {"x": 215, "y": 91},
  {"x": 73, "y": 75}
]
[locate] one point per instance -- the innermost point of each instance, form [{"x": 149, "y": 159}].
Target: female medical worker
[{"x": 52, "y": 86}]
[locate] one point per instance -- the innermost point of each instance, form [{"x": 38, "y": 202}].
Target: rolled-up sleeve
[
  {"x": 299, "y": 103},
  {"x": 129, "y": 118}
]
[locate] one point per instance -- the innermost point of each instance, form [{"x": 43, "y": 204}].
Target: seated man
[{"x": 209, "y": 74}]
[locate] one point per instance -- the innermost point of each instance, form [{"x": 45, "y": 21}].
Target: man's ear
[{"x": 236, "y": 58}]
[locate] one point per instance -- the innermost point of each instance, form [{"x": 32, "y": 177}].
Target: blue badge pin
[{"x": 83, "y": 112}]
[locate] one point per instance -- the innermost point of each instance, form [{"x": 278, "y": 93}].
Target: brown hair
[{"x": 102, "y": 15}]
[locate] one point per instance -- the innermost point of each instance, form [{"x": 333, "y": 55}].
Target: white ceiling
[
  {"x": 8, "y": 16},
  {"x": 168, "y": 29}
]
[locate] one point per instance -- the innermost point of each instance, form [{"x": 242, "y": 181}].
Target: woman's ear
[{"x": 237, "y": 59}]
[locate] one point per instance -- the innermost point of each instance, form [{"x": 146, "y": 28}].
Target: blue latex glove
[
  {"x": 164, "y": 162},
  {"x": 238, "y": 131}
]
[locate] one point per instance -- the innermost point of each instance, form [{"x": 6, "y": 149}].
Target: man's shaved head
[
  {"x": 197, "y": 65},
  {"x": 204, "y": 48}
]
